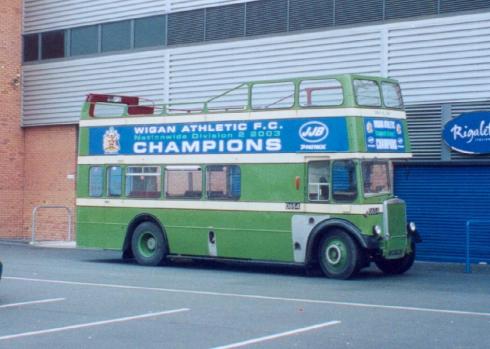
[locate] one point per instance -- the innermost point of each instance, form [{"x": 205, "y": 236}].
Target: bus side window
[
  {"x": 321, "y": 93},
  {"x": 114, "y": 181},
  {"x": 183, "y": 182},
  {"x": 143, "y": 182},
  {"x": 223, "y": 182},
  {"x": 367, "y": 93},
  {"x": 96, "y": 181},
  {"x": 273, "y": 95},
  {"x": 318, "y": 186},
  {"x": 344, "y": 181}
]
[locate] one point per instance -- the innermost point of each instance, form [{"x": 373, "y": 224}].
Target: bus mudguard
[{"x": 366, "y": 242}]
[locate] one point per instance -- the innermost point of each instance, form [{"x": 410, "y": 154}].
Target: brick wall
[
  {"x": 37, "y": 165},
  {"x": 11, "y": 139},
  {"x": 50, "y": 167}
]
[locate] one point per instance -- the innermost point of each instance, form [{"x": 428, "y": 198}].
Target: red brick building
[
  {"x": 27, "y": 155},
  {"x": 11, "y": 135}
]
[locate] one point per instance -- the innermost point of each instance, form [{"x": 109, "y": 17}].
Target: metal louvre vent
[
  {"x": 185, "y": 27},
  {"x": 424, "y": 127},
  {"x": 459, "y": 108},
  {"x": 185, "y": 5},
  {"x": 310, "y": 14},
  {"x": 395, "y": 9},
  {"x": 462, "y": 5},
  {"x": 225, "y": 22},
  {"x": 266, "y": 17},
  {"x": 354, "y": 11}
]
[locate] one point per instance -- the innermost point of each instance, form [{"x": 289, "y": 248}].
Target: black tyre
[
  {"x": 396, "y": 266},
  {"x": 339, "y": 255},
  {"x": 148, "y": 244}
]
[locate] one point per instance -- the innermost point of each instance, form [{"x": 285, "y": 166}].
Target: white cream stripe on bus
[
  {"x": 232, "y": 159},
  {"x": 231, "y": 206},
  {"x": 266, "y": 115}
]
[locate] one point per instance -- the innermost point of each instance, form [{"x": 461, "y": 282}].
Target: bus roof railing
[{"x": 298, "y": 93}]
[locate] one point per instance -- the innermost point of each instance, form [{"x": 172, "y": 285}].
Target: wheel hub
[
  {"x": 151, "y": 243},
  {"x": 333, "y": 254}
]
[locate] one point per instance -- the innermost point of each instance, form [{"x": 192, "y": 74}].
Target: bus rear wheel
[
  {"x": 396, "y": 266},
  {"x": 148, "y": 244},
  {"x": 339, "y": 255}
]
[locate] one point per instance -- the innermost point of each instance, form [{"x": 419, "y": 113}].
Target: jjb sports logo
[{"x": 313, "y": 132}]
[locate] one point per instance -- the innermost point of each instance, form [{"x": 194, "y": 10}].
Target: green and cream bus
[{"x": 293, "y": 171}]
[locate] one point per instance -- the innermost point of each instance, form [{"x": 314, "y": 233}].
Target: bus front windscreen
[
  {"x": 392, "y": 95},
  {"x": 376, "y": 177}
]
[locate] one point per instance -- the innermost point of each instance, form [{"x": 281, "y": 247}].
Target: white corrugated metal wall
[
  {"x": 438, "y": 59},
  {"x": 441, "y": 60},
  {"x": 205, "y": 71},
  {"x": 54, "y": 92},
  {"x": 43, "y": 15}
]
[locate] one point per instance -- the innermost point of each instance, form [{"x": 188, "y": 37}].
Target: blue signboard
[
  {"x": 469, "y": 133},
  {"x": 223, "y": 137},
  {"x": 384, "y": 135}
]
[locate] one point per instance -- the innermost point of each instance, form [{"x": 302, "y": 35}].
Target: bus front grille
[{"x": 395, "y": 218}]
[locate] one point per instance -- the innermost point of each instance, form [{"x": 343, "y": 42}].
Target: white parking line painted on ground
[
  {"x": 92, "y": 324},
  {"x": 41, "y": 301},
  {"x": 251, "y": 296},
  {"x": 278, "y": 335}
]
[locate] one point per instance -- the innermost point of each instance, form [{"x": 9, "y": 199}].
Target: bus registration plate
[{"x": 293, "y": 205}]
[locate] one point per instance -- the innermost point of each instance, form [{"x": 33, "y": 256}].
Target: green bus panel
[
  {"x": 272, "y": 182},
  {"x": 238, "y": 234}
]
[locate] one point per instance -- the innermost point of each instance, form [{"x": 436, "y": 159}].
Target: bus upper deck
[
  {"x": 326, "y": 114},
  {"x": 337, "y": 91}
]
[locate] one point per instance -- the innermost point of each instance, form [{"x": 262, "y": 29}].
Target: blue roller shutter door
[{"x": 440, "y": 199}]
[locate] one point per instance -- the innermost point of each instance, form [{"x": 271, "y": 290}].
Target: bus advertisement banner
[
  {"x": 384, "y": 135},
  {"x": 224, "y": 137}
]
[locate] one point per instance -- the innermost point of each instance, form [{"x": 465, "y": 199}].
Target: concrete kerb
[
  {"x": 54, "y": 244},
  {"x": 49, "y": 244}
]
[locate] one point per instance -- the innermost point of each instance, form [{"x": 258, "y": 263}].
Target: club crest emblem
[{"x": 111, "y": 141}]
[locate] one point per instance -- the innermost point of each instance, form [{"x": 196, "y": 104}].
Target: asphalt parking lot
[{"x": 61, "y": 298}]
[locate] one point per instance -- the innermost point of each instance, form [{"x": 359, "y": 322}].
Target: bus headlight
[
  {"x": 412, "y": 227},
  {"x": 377, "y": 231},
  {"x": 387, "y": 235}
]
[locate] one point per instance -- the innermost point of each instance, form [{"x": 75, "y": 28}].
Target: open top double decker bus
[{"x": 294, "y": 171}]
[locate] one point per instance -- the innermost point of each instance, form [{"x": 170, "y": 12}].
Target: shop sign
[{"x": 469, "y": 133}]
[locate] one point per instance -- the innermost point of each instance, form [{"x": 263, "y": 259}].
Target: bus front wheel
[
  {"x": 148, "y": 244},
  {"x": 339, "y": 255}
]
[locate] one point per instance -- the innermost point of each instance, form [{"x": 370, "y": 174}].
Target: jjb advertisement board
[{"x": 384, "y": 135}]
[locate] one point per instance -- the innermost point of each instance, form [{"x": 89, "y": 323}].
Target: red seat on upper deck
[
  {"x": 132, "y": 102},
  {"x": 140, "y": 110}
]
